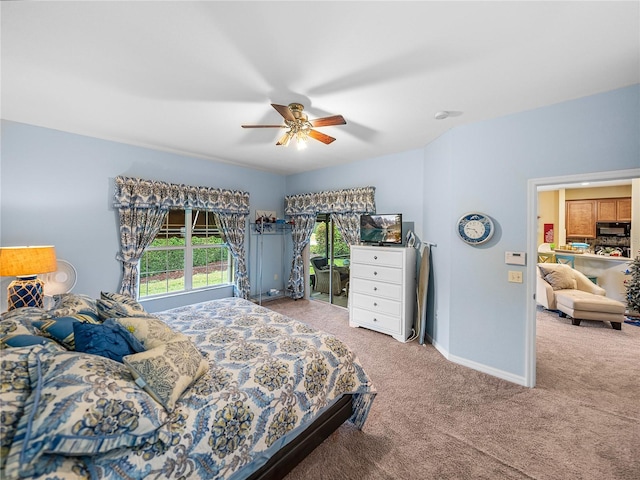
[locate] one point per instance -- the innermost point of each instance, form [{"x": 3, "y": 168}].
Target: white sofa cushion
[
  {"x": 546, "y": 295},
  {"x": 577, "y": 300},
  {"x": 558, "y": 275}
]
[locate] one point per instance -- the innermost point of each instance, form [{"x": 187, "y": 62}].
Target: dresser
[{"x": 382, "y": 289}]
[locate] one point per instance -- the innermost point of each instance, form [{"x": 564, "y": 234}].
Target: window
[{"x": 188, "y": 253}]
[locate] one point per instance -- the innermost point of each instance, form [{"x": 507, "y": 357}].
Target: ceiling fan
[{"x": 299, "y": 125}]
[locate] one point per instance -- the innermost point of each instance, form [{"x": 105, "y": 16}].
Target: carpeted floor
[{"x": 433, "y": 419}]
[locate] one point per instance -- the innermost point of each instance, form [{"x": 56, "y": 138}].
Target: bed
[{"x": 220, "y": 389}]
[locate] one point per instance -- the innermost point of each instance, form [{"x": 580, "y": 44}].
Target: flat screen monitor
[{"x": 381, "y": 229}]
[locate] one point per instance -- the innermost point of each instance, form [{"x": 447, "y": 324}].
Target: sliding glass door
[{"x": 329, "y": 269}]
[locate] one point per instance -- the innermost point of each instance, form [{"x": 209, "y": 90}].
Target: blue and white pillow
[
  {"x": 66, "y": 304},
  {"x": 116, "y": 305},
  {"x": 24, "y": 340},
  {"x": 81, "y": 404},
  {"x": 25, "y": 317},
  {"x": 61, "y": 328},
  {"x": 14, "y": 333},
  {"x": 168, "y": 369}
]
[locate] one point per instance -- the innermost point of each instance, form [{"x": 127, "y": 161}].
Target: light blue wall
[
  {"x": 437, "y": 179},
  {"x": 476, "y": 317},
  {"x": 485, "y": 166},
  {"x": 397, "y": 178},
  {"x": 57, "y": 188}
]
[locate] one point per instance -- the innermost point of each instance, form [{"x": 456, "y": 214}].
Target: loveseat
[{"x": 562, "y": 288}]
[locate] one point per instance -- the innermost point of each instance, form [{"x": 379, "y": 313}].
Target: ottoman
[{"x": 582, "y": 305}]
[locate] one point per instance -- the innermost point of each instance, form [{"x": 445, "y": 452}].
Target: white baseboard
[{"x": 508, "y": 376}]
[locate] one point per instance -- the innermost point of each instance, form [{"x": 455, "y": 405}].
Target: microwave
[{"x": 613, "y": 229}]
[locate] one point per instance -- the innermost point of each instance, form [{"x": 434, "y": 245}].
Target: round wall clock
[{"x": 475, "y": 228}]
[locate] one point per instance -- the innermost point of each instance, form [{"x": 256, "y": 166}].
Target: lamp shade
[{"x": 27, "y": 261}]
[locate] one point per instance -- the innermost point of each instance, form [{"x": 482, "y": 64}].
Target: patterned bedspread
[{"x": 269, "y": 377}]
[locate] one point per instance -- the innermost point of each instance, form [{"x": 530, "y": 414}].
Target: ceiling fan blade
[
  {"x": 321, "y": 136},
  {"x": 327, "y": 121},
  {"x": 284, "y": 140},
  {"x": 284, "y": 111},
  {"x": 263, "y": 126}
]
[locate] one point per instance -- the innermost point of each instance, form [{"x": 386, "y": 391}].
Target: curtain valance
[
  {"x": 352, "y": 200},
  {"x": 140, "y": 193}
]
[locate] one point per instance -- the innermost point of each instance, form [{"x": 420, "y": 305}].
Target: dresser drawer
[
  {"x": 375, "y": 272},
  {"x": 382, "y": 289},
  {"x": 377, "y": 321},
  {"x": 377, "y": 304},
  {"x": 376, "y": 288},
  {"x": 387, "y": 257}
]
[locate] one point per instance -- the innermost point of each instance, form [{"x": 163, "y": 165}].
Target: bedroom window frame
[{"x": 187, "y": 232}]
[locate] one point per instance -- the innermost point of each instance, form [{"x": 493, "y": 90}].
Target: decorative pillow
[
  {"x": 559, "y": 276},
  {"x": 25, "y": 316},
  {"x": 120, "y": 298},
  {"x": 14, "y": 386},
  {"x": 81, "y": 404},
  {"x": 24, "y": 340},
  {"x": 66, "y": 304},
  {"x": 9, "y": 328},
  {"x": 150, "y": 331},
  {"x": 167, "y": 370},
  {"x": 61, "y": 328},
  {"x": 109, "y": 339},
  {"x": 112, "y": 309}
]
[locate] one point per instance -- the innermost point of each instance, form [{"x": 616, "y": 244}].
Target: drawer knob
[
  {"x": 375, "y": 257},
  {"x": 375, "y": 319},
  {"x": 375, "y": 304},
  {"x": 375, "y": 289},
  {"x": 375, "y": 273}
]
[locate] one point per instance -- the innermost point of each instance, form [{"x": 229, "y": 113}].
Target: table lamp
[{"x": 26, "y": 263}]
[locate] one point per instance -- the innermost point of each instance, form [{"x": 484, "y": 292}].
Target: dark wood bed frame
[{"x": 293, "y": 453}]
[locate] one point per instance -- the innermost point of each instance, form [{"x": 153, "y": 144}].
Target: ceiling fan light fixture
[
  {"x": 284, "y": 140},
  {"x": 302, "y": 137},
  {"x": 300, "y": 127}
]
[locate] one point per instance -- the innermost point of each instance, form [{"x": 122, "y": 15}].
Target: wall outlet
[{"x": 515, "y": 277}]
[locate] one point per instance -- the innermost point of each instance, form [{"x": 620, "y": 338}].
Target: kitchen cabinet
[
  {"x": 607, "y": 210},
  {"x": 624, "y": 210},
  {"x": 614, "y": 210},
  {"x": 580, "y": 218}
]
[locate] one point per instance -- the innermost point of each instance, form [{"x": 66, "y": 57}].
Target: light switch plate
[{"x": 515, "y": 276}]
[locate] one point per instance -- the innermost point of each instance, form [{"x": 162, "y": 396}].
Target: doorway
[
  {"x": 532, "y": 246},
  {"x": 329, "y": 263}
]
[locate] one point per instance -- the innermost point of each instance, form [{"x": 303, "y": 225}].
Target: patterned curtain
[
  {"x": 353, "y": 200},
  {"x": 140, "y": 193},
  {"x": 343, "y": 204},
  {"x": 138, "y": 228},
  {"x": 301, "y": 231},
  {"x": 143, "y": 205},
  {"x": 349, "y": 226},
  {"x": 233, "y": 228}
]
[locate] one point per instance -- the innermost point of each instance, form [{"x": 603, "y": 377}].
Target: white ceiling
[{"x": 183, "y": 76}]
